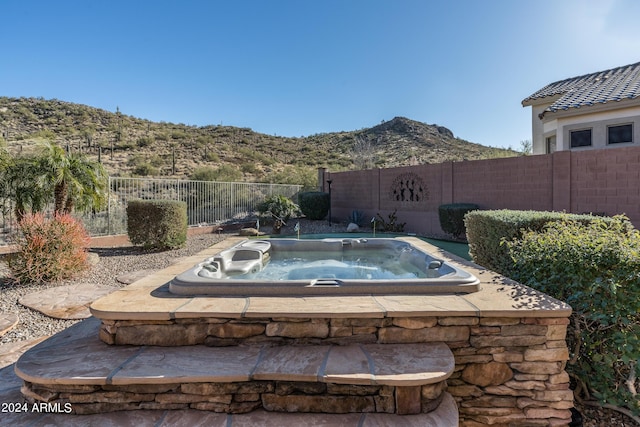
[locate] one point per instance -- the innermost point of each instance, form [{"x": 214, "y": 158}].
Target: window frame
[
  {"x": 571, "y": 132},
  {"x": 619, "y": 142}
]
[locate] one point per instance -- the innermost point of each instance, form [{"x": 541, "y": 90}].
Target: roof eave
[
  {"x": 594, "y": 108},
  {"x": 533, "y": 102}
]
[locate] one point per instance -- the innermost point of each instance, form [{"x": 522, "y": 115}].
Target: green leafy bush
[
  {"x": 278, "y": 207},
  {"x": 595, "y": 267},
  {"x": 486, "y": 230},
  {"x": 157, "y": 224},
  {"x": 314, "y": 204},
  {"x": 49, "y": 249},
  {"x": 452, "y": 217}
]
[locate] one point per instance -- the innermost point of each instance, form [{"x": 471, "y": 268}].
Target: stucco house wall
[{"x": 592, "y": 102}]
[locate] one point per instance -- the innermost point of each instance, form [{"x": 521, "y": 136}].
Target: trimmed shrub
[
  {"x": 595, "y": 267},
  {"x": 314, "y": 204},
  {"x": 452, "y": 217},
  {"x": 157, "y": 224},
  {"x": 49, "y": 249},
  {"x": 486, "y": 230}
]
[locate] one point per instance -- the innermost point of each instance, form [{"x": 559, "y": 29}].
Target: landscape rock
[
  {"x": 250, "y": 232},
  {"x": 7, "y": 322},
  {"x": 66, "y": 302},
  {"x": 129, "y": 278},
  {"x": 352, "y": 228}
]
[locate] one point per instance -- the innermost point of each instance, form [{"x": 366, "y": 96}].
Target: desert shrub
[
  {"x": 211, "y": 156},
  {"x": 314, "y": 204},
  {"x": 144, "y": 141},
  {"x": 452, "y": 217},
  {"x": 157, "y": 224},
  {"x": 278, "y": 207},
  {"x": 49, "y": 249},
  {"x": 145, "y": 169},
  {"x": 291, "y": 174},
  {"x": 162, "y": 136},
  {"x": 178, "y": 134},
  {"x": 486, "y": 230},
  {"x": 249, "y": 168},
  {"x": 223, "y": 173},
  {"x": 391, "y": 224},
  {"x": 595, "y": 267}
]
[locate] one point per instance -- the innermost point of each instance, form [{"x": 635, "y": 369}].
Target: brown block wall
[{"x": 603, "y": 181}]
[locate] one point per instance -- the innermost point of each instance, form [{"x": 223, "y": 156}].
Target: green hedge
[
  {"x": 486, "y": 230},
  {"x": 157, "y": 224},
  {"x": 314, "y": 204},
  {"x": 452, "y": 217},
  {"x": 594, "y": 266}
]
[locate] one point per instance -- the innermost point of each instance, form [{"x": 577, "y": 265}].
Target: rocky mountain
[{"x": 130, "y": 146}]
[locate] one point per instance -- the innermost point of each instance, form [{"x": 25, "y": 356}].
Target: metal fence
[{"x": 208, "y": 202}]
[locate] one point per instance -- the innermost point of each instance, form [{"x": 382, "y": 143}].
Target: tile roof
[{"x": 616, "y": 84}]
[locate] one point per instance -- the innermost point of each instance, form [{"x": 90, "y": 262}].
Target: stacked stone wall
[
  {"x": 240, "y": 397},
  {"x": 508, "y": 371}
]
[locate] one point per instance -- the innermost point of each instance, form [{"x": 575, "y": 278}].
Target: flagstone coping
[
  {"x": 7, "y": 322},
  {"x": 132, "y": 276},
  {"x": 77, "y": 356},
  {"x": 149, "y": 299},
  {"x": 66, "y": 302}
]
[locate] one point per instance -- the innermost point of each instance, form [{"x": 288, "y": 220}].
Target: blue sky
[{"x": 302, "y": 67}]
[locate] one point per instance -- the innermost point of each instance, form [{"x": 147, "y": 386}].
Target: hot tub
[{"x": 279, "y": 267}]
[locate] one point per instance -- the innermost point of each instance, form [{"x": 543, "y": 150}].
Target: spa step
[
  {"x": 446, "y": 415},
  {"x": 76, "y": 366}
]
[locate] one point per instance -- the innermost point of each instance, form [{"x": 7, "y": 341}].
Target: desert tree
[{"x": 362, "y": 153}]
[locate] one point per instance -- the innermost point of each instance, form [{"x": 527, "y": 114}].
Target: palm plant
[
  {"x": 77, "y": 182},
  {"x": 22, "y": 184},
  {"x": 70, "y": 181}
]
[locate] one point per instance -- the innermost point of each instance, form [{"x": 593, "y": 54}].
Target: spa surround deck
[
  {"x": 507, "y": 340},
  {"x": 150, "y": 299}
]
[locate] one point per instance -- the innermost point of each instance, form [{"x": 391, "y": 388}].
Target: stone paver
[
  {"x": 9, "y": 353},
  {"x": 66, "y": 302},
  {"x": 133, "y": 276},
  {"x": 75, "y": 354},
  {"x": 291, "y": 363},
  {"x": 445, "y": 416},
  {"x": 159, "y": 365},
  {"x": 7, "y": 322}
]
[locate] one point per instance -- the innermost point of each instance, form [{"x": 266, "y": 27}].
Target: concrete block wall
[{"x": 603, "y": 181}]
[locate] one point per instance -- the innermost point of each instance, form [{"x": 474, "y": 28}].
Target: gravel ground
[
  {"x": 116, "y": 261},
  {"x": 113, "y": 262}
]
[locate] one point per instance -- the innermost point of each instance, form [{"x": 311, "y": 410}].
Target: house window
[
  {"x": 551, "y": 144},
  {"x": 619, "y": 134},
  {"x": 580, "y": 138}
]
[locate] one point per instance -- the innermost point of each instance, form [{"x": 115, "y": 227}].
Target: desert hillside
[{"x": 129, "y": 146}]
